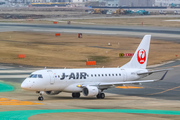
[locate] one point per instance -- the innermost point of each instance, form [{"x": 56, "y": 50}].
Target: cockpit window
[
  {"x": 40, "y": 76},
  {"x": 31, "y": 76},
  {"x": 35, "y": 76}
]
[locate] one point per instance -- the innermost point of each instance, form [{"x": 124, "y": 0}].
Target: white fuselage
[{"x": 67, "y": 80}]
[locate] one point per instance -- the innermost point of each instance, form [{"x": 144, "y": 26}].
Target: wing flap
[{"x": 128, "y": 82}]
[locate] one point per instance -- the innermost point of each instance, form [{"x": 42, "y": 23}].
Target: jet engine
[
  {"x": 90, "y": 91},
  {"x": 52, "y": 92}
]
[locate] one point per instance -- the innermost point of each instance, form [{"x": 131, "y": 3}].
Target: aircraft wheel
[
  {"x": 40, "y": 98},
  {"x": 98, "y": 96},
  {"x": 78, "y": 95},
  {"x": 102, "y": 95},
  {"x": 75, "y": 95}
]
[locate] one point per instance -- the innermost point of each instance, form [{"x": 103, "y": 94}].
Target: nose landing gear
[{"x": 40, "y": 98}]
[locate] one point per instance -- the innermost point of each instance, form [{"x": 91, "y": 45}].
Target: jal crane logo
[{"x": 141, "y": 56}]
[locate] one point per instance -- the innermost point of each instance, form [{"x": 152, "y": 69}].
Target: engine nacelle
[
  {"x": 52, "y": 92},
  {"x": 90, "y": 91}
]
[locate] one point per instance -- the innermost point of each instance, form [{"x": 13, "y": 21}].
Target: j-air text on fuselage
[
  {"x": 81, "y": 75},
  {"x": 92, "y": 81}
]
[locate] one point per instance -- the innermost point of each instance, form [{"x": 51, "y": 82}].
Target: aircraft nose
[{"x": 24, "y": 85}]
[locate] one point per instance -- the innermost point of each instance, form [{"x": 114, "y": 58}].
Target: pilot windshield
[{"x": 35, "y": 76}]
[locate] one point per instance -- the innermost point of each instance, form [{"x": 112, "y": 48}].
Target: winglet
[{"x": 164, "y": 75}]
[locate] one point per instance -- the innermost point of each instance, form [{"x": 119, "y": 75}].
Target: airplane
[{"x": 92, "y": 81}]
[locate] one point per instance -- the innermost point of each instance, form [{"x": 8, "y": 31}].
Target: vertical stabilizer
[{"x": 140, "y": 57}]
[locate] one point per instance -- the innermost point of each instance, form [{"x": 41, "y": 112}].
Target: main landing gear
[
  {"x": 100, "y": 96},
  {"x": 40, "y": 98},
  {"x": 75, "y": 95}
]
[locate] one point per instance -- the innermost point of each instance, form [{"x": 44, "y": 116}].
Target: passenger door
[
  {"x": 124, "y": 75},
  {"x": 52, "y": 79}
]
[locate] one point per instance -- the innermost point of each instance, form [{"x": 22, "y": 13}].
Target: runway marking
[
  {"x": 25, "y": 114},
  {"x": 165, "y": 90},
  {"x": 6, "y": 101},
  {"x": 176, "y": 66},
  {"x": 129, "y": 87},
  {"x": 5, "y": 87},
  {"x": 173, "y": 20},
  {"x": 16, "y": 71},
  {"x": 14, "y": 76}
]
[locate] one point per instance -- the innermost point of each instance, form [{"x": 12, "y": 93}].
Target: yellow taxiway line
[
  {"x": 165, "y": 90},
  {"x": 6, "y": 101},
  {"x": 129, "y": 87}
]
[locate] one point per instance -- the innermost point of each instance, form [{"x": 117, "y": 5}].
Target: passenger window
[
  {"x": 91, "y": 75},
  {"x": 87, "y": 75},
  {"x": 102, "y": 75},
  {"x": 40, "y": 76},
  {"x": 105, "y": 74},
  {"x": 98, "y": 74},
  {"x": 95, "y": 75},
  {"x": 116, "y": 74},
  {"x": 119, "y": 74},
  {"x": 109, "y": 74},
  {"x": 112, "y": 74}
]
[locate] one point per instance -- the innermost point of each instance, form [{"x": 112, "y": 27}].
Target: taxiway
[{"x": 162, "y": 33}]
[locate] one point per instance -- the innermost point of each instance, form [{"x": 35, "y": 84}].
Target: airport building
[
  {"x": 131, "y": 3},
  {"x": 149, "y": 3},
  {"x": 38, "y": 1},
  {"x": 48, "y": 1},
  {"x": 111, "y": 3},
  {"x": 108, "y": 3},
  {"x": 166, "y": 2},
  {"x": 79, "y": 3}
]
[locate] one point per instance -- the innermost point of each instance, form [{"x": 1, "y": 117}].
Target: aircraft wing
[
  {"x": 130, "y": 82},
  {"x": 152, "y": 71},
  {"x": 112, "y": 84}
]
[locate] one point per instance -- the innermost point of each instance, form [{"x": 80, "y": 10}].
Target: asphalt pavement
[{"x": 162, "y": 33}]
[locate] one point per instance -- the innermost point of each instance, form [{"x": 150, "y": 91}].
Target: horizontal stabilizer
[{"x": 153, "y": 71}]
